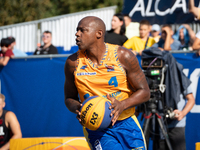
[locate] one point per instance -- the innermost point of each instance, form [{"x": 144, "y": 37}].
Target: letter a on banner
[{"x": 139, "y": 6}]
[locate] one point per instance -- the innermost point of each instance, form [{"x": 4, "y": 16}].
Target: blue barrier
[{"x": 34, "y": 92}]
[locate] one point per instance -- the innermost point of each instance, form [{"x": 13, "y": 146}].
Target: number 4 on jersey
[{"x": 113, "y": 81}]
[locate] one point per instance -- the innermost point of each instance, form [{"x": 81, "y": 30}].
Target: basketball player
[
  {"x": 109, "y": 71},
  {"x": 9, "y": 126}
]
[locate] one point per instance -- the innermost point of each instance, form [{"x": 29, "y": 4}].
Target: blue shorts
[{"x": 124, "y": 135}]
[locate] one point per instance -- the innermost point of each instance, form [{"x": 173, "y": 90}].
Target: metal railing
[{"x": 63, "y": 29}]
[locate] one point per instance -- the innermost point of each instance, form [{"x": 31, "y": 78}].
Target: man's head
[
  {"x": 155, "y": 30},
  {"x": 144, "y": 28},
  {"x": 12, "y": 40},
  {"x": 47, "y": 37},
  {"x": 127, "y": 19},
  {"x": 89, "y": 32},
  {"x": 5, "y": 44},
  {"x": 166, "y": 29},
  {"x": 2, "y": 101}
]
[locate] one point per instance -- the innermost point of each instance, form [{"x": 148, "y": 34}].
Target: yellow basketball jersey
[{"x": 109, "y": 77}]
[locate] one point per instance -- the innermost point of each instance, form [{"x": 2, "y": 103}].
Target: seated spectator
[
  {"x": 132, "y": 28},
  {"x": 138, "y": 43},
  {"x": 47, "y": 48},
  {"x": 9, "y": 126},
  {"x": 196, "y": 12},
  {"x": 17, "y": 53},
  {"x": 196, "y": 44},
  {"x": 117, "y": 33},
  {"x": 166, "y": 41},
  {"x": 155, "y": 32},
  {"x": 6, "y": 52},
  {"x": 186, "y": 36}
]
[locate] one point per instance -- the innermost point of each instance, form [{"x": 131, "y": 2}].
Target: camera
[
  {"x": 169, "y": 113},
  {"x": 154, "y": 69}
]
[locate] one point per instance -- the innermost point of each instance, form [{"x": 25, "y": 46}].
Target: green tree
[
  {"x": 70, "y": 6},
  {"x": 15, "y": 11}
]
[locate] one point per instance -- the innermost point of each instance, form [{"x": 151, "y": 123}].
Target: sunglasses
[{"x": 45, "y": 36}]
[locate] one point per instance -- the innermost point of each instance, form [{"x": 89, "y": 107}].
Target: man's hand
[
  {"x": 167, "y": 30},
  {"x": 117, "y": 107},
  {"x": 178, "y": 115},
  {"x": 79, "y": 113}
]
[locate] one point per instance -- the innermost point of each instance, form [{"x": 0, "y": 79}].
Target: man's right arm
[{"x": 70, "y": 90}]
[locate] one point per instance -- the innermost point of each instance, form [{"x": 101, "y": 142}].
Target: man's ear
[
  {"x": 99, "y": 34},
  {"x": 4, "y": 104}
]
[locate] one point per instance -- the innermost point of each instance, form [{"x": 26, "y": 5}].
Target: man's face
[
  {"x": 154, "y": 33},
  {"x": 85, "y": 34},
  {"x": 46, "y": 38},
  {"x": 4, "y": 49},
  {"x": 144, "y": 31},
  {"x": 127, "y": 20},
  {"x": 165, "y": 31}
]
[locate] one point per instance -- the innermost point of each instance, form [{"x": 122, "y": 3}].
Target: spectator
[
  {"x": 196, "y": 44},
  {"x": 176, "y": 128},
  {"x": 117, "y": 33},
  {"x": 155, "y": 32},
  {"x": 47, "y": 48},
  {"x": 186, "y": 36},
  {"x": 132, "y": 28},
  {"x": 9, "y": 126},
  {"x": 196, "y": 12},
  {"x": 6, "y": 52},
  {"x": 144, "y": 41},
  {"x": 17, "y": 53},
  {"x": 167, "y": 42}
]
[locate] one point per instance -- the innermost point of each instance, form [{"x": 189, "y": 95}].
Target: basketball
[{"x": 95, "y": 113}]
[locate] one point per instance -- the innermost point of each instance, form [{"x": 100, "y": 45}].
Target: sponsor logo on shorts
[
  {"x": 139, "y": 148},
  {"x": 97, "y": 145},
  {"x": 86, "y": 74}
]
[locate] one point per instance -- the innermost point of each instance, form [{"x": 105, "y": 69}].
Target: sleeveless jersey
[
  {"x": 5, "y": 132},
  {"x": 109, "y": 77}
]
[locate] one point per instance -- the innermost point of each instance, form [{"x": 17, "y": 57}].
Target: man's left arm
[
  {"x": 12, "y": 122},
  {"x": 180, "y": 114},
  {"x": 137, "y": 80}
]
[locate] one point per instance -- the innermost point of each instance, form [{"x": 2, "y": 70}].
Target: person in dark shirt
[
  {"x": 47, "y": 48},
  {"x": 6, "y": 52},
  {"x": 117, "y": 33}
]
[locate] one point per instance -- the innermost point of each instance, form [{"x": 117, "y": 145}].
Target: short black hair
[
  {"x": 145, "y": 22},
  {"x": 167, "y": 25},
  {"x": 11, "y": 38},
  {"x": 47, "y": 31},
  {"x": 5, "y": 42}
]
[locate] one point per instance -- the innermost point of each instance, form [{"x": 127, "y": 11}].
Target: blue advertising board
[
  {"x": 34, "y": 90},
  {"x": 159, "y": 11}
]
